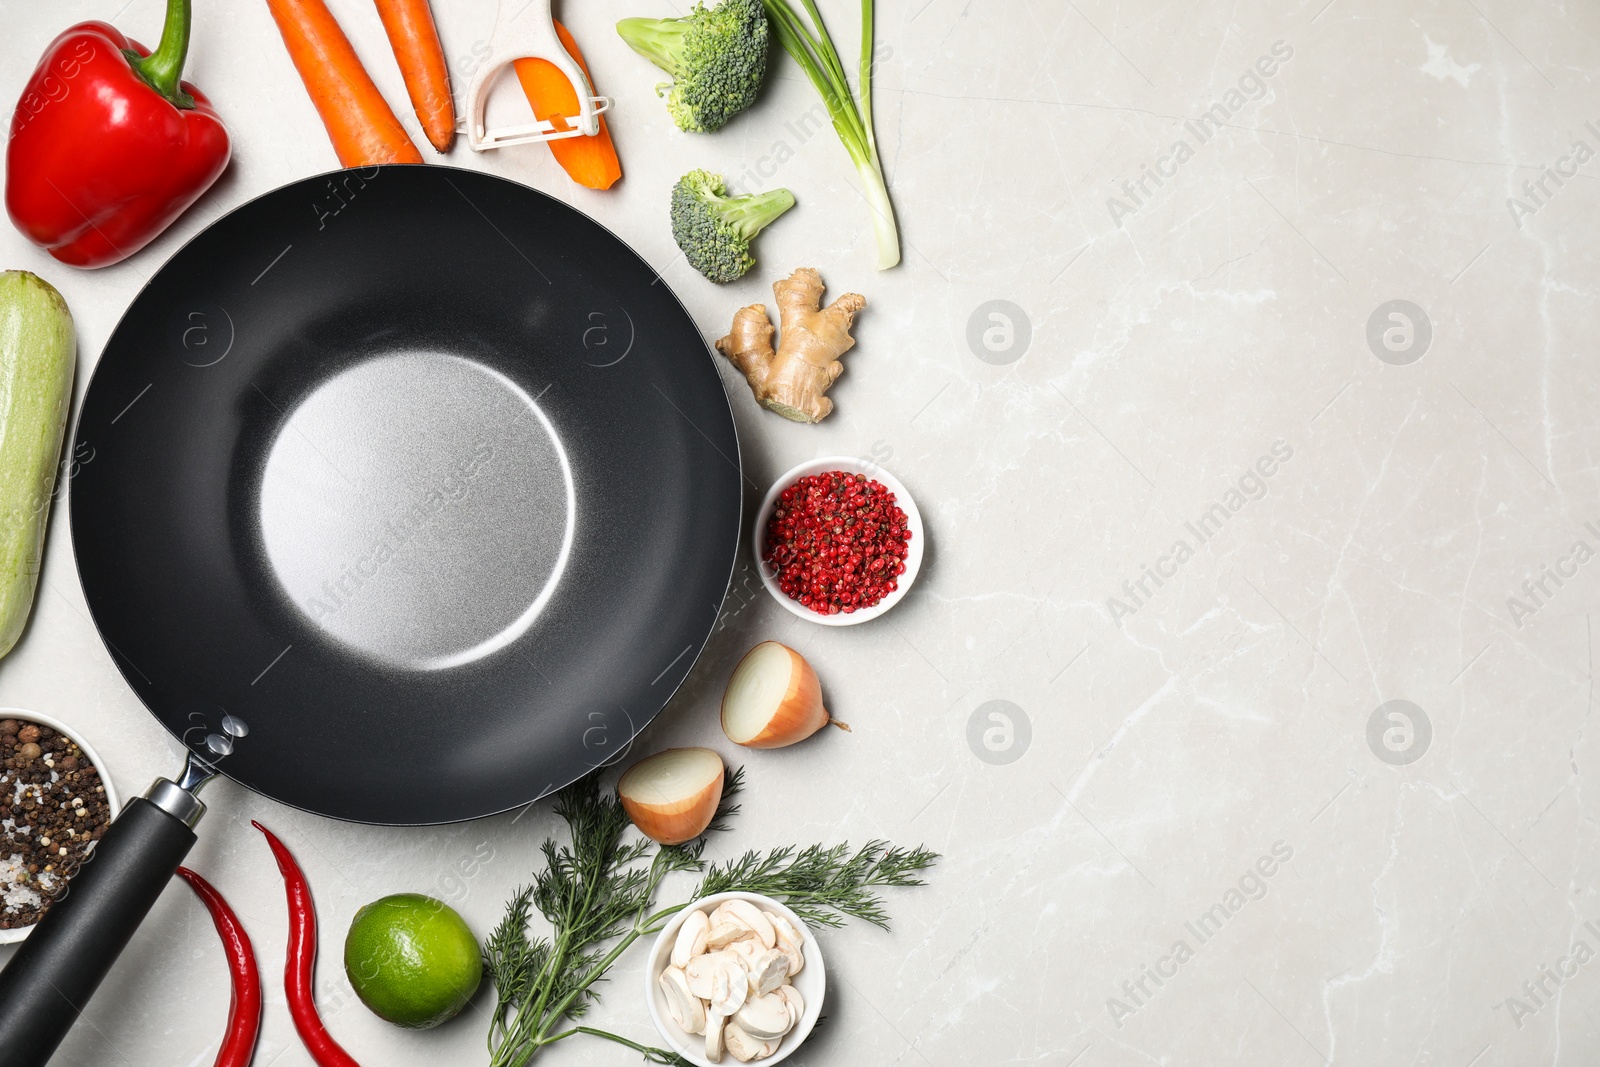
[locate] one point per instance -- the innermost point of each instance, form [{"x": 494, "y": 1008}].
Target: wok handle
[{"x": 57, "y": 969}]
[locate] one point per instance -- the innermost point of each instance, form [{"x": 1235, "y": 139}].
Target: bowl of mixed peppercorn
[
  {"x": 55, "y": 803},
  {"x": 839, "y": 540}
]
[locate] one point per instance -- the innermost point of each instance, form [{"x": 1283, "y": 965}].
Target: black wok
[{"x": 413, "y": 496}]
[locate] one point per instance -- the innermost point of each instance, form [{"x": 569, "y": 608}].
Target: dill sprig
[
  {"x": 823, "y": 885},
  {"x": 597, "y": 893}
]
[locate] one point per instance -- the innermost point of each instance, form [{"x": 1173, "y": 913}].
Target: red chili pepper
[
  {"x": 301, "y": 960},
  {"x": 107, "y": 145},
  {"x": 244, "y": 1011}
]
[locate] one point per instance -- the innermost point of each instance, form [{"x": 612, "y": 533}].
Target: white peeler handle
[{"x": 524, "y": 29}]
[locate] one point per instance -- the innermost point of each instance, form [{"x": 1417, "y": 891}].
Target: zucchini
[{"x": 38, "y": 351}]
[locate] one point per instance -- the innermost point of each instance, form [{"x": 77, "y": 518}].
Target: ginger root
[{"x": 792, "y": 379}]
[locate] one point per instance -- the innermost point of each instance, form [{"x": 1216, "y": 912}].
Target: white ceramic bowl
[
  {"x": 811, "y": 983},
  {"x": 15, "y": 934},
  {"x": 902, "y": 497}
]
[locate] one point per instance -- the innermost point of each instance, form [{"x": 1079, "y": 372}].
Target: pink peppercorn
[{"x": 837, "y": 542}]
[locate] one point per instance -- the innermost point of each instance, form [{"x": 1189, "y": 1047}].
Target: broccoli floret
[
  {"x": 717, "y": 59},
  {"x": 715, "y": 230}
]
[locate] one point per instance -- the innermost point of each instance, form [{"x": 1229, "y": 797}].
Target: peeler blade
[
  {"x": 529, "y": 133},
  {"x": 529, "y": 32}
]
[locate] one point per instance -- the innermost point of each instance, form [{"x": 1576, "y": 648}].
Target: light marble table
[{"x": 1192, "y": 837}]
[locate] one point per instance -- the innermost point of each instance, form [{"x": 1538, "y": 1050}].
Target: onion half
[
  {"x": 773, "y": 699},
  {"x": 673, "y": 795}
]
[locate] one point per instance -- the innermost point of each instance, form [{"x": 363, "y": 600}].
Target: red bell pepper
[{"x": 107, "y": 145}]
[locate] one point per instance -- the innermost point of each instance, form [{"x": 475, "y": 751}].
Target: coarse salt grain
[{"x": 16, "y": 895}]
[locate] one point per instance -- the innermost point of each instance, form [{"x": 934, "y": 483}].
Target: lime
[{"x": 412, "y": 960}]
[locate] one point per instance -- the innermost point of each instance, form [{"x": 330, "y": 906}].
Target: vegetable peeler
[{"x": 525, "y": 29}]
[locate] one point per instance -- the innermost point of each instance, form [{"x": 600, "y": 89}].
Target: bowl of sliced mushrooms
[{"x": 735, "y": 976}]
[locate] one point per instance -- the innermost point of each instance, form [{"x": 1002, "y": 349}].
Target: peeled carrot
[
  {"x": 590, "y": 161},
  {"x": 360, "y": 124},
  {"x": 415, "y": 40}
]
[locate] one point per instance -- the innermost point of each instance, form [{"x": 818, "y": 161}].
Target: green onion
[{"x": 809, "y": 45}]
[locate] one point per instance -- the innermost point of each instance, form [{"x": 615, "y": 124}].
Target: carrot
[
  {"x": 590, "y": 161},
  {"x": 360, "y": 124},
  {"x": 415, "y": 40}
]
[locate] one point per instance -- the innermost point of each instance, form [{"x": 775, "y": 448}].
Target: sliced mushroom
[
  {"x": 765, "y": 1018},
  {"x": 781, "y": 925},
  {"x": 769, "y": 971},
  {"x": 725, "y": 934},
  {"x": 790, "y": 941},
  {"x": 744, "y": 1046},
  {"x": 691, "y": 940},
  {"x": 751, "y": 917},
  {"x": 700, "y": 969},
  {"x": 714, "y": 1029},
  {"x": 797, "y": 1004},
  {"x": 730, "y": 986},
  {"x": 686, "y": 1009},
  {"x": 793, "y": 957},
  {"x": 747, "y": 951}
]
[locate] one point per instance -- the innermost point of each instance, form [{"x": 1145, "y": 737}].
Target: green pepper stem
[{"x": 163, "y": 68}]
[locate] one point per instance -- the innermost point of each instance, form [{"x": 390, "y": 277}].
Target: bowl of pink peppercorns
[{"x": 838, "y": 540}]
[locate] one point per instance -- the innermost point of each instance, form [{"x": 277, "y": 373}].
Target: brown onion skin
[
  {"x": 675, "y": 824},
  {"x": 800, "y": 713}
]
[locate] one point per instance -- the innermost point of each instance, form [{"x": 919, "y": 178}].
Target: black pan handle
[{"x": 57, "y": 969}]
